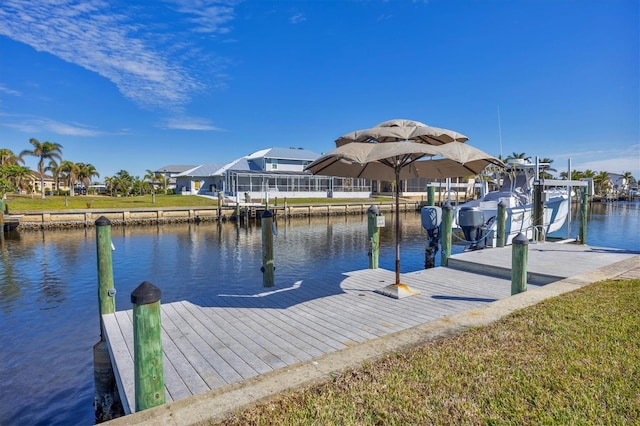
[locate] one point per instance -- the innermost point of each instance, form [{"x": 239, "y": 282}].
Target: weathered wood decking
[{"x": 226, "y": 338}]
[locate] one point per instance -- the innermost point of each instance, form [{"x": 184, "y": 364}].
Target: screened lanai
[{"x": 256, "y": 183}]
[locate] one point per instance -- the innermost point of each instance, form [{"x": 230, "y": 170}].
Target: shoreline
[{"x": 145, "y": 216}]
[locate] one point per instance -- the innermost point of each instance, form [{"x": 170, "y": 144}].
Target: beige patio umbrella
[
  {"x": 399, "y": 161},
  {"x": 403, "y": 130}
]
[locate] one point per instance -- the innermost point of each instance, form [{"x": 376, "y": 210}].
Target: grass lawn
[
  {"x": 573, "y": 359},
  {"x": 23, "y": 203}
]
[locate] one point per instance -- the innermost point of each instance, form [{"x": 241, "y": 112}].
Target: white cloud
[
  {"x": 617, "y": 160},
  {"x": 41, "y": 125},
  {"x": 129, "y": 46},
  {"x": 8, "y": 91},
  {"x": 297, "y": 18},
  {"x": 191, "y": 123}
]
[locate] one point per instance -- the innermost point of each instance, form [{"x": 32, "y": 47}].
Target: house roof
[
  {"x": 285, "y": 154},
  {"x": 174, "y": 168},
  {"x": 245, "y": 163},
  {"x": 36, "y": 175},
  {"x": 201, "y": 170}
]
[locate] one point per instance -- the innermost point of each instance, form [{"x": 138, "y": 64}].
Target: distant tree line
[{"x": 14, "y": 176}]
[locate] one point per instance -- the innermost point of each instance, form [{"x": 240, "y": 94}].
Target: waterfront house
[
  {"x": 271, "y": 172},
  {"x": 32, "y": 183},
  {"x": 170, "y": 171}
]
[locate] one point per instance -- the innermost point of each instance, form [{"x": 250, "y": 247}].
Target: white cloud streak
[
  {"x": 36, "y": 125},
  {"x": 612, "y": 160},
  {"x": 126, "y": 44},
  {"x": 191, "y": 123}
]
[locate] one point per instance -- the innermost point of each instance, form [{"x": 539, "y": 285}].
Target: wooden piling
[
  {"x": 106, "y": 290},
  {"x": 374, "y": 236},
  {"x": 431, "y": 196},
  {"x": 519, "y": 256},
  {"x": 106, "y": 399},
  {"x": 445, "y": 238},
  {"x": 584, "y": 210},
  {"x": 538, "y": 211},
  {"x": 502, "y": 219},
  {"x": 2, "y": 217},
  {"x": 147, "y": 347},
  {"x": 268, "y": 268}
]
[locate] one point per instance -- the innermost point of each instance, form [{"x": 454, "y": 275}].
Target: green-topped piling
[
  {"x": 519, "y": 256},
  {"x": 445, "y": 235},
  {"x": 106, "y": 398},
  {"x": 373, "y": 235},
  {"x": 147, "y": 347},
  {"x": 106, "y": 290},
  {"x": 502, "y": 219},
  {"x": 584, "y": 210},
  {"x": 431, "y": 196},
  {"x": 268, "y": 268}
]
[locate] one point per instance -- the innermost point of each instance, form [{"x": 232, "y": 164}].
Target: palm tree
[
  {"x": 56, "y": 172},
  {"x": 7, "y": 157},
  {"x": 518, "y": 155},
  {"x": 11, "y": 177},
  {"x": 152, "y": 179},
  {"x": 629, "y": 180},
  {"x": 122, "y": 182},
  {"x": 69, "y": 170},
  {"x": 601, "y": 181},
  {"x": 86, "y": 172},
  {"x": 544, "y": 174},
  {"x": 44, "y": 151}
]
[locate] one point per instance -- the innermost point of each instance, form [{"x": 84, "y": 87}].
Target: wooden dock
[{"x": 226, "y": 338}]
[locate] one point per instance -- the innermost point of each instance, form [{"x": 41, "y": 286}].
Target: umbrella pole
[
  {"x": 397, "y": 290},
  {"x": 397, "y": 226}
]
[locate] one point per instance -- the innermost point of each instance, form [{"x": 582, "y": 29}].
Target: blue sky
[{"x": 137, "y": 85}]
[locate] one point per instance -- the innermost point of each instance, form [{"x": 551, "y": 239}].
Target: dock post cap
[
  {"x": 102, "y": 221},
  {"x": 145, "y": 294},
  {"x": 266, "y": 214},
  {"x": 520, "y": 239},
  {"x": 447, "y": 205},
  {"x": 373, "y": 209},
  {"x": 502, "y": 203}
]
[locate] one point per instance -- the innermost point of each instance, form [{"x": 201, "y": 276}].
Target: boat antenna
[{"x": 499, "y": 131}]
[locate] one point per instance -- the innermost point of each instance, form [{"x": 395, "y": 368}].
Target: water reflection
[{"x": 48, "y": 287}]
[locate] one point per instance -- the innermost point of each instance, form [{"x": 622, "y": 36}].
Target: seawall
[{"x": 80, "y": 218}]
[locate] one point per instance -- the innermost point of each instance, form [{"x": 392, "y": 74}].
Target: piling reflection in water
[{"x": 48, "y": 287}]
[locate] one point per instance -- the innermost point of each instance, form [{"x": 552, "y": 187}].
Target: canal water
[{"x": 48, "y": 293}]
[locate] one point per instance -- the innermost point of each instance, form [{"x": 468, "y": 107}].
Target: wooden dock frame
[{"x": 213, "y": 341}]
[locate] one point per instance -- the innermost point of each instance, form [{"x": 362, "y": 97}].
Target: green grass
[
  {"x": 23, "y": 203},
  {"x": 571, "y": 360}
]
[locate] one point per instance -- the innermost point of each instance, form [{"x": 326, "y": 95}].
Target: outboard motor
[
  {"x": 431, "y": 218},
  {"x": 471, "y": 220}
]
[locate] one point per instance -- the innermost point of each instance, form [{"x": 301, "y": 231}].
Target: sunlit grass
[
  {"x": 24, "y": 203},
  {"x": 574, "y": 359}
]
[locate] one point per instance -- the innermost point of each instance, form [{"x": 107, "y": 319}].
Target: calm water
[{"x": 48, "y": 294}]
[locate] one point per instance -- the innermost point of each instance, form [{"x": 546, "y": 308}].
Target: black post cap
[
  {"x": 145, "y": 294},
  {"x": 520, "y": 239},
  {"x": 373, "y": 209},
  {"x": 266, "y": 214},
  {"x": 447, "y": 205},
  {"x": 103, "y": 221}
]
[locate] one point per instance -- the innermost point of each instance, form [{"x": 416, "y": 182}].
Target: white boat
[{"x": 475, "y": 222}]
